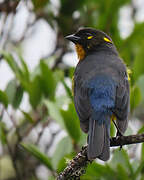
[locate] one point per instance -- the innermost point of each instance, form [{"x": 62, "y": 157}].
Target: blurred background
[{"x": 39, "y": 128}]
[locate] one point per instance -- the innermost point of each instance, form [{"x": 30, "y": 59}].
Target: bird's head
[{"x": 87, "y": 40}]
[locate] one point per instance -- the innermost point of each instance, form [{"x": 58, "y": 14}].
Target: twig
[
  {"x": 126, "y": 140},
  {"x": 2, "y": 109},
  {"x": 42, "y": 130},
  {"x": 25, "y": 32},
  {"x": 78, "y": 164},
  {"x": 6, "y": 31},
  {"x": 30, "y": 128},
  {"x": 9, "y": 6},
  {"x": 37, "y": 118},
  {"x": 49, "y": 145},
  {"x": 3, "y": 21},
  {"x": 14, "y": 125}
]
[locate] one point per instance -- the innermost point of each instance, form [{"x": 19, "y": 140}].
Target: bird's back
[{"x": 101, "y": 62}]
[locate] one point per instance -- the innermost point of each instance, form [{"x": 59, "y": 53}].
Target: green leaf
[
  {"x": 51, "y": 178},
  {"x": 83, "y": 139},
  {"x": 71, "y": 72},
  {"x": 18, "y": 97},
  {"x": 3, "y": 98},
  {"x": 48, "y": 83},
  {"x": 27, "y": 117},
  {"x": 140, "y": 84},
  {"x": 138, "y": 69},
  {"x": 68, "y": 90},
  {"x": 38, "y": 155},
  {"x": 14, "y": 93},
  {"x": 62, "y": 100},
  {"x": 122, "y": 173},
  {"x": 25, "y": 68},
  {"x": 63, "y": 148},
  {"x": 61, "y": 165},
  {"x": 54, "y": 112},
  {"x": 1, "y": 116},
  {"x": 38, "y": 4},
  {"x": 74, "y": 6},
  {"x": 71, "y": 122},
  {"x": 140, "y": 168},
  {"x": 141, "y": 130},
  {"x": 11, "y": 90},
  {"x": 35, "y": 92},
  {"x": 130, "y": 47},
  {"x": 135, "y": 164},
  {"x": 13, "y": 65},
  {"x": 112, "y": 130},
  {"x": 142, "y": 153},
  {"x": 135, "y": 97},
  {"x": 6, "y": 167},
  {"x": 3, "y": 133},
  {"x": 20, "y": 75},
  {"x": 58, "y": 75},
  {"x": 97, "y": 171},
  {"x": 64, "y": 161},
  {"x": 121, "y": 157}
]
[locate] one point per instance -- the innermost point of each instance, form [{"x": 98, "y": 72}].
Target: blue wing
[{"x": 102, "y": 93}]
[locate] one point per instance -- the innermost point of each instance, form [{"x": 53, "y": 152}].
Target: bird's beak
[{"x": 75, "y": 39}]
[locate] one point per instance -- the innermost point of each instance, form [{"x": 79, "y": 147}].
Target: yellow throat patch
[{"x": 80, "y": 51}]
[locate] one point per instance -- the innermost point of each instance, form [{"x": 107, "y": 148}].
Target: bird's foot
[{"x": 119, "y": 134}]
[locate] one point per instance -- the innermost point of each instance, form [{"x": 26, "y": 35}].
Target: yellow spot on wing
[
  {"x": 89, "y": 37},
  {"x": 128, "y": 73},
  {"x": 113, "y": 117},
  {"x": 80, "y": 51},
  {"x": 107, "y": 40}
]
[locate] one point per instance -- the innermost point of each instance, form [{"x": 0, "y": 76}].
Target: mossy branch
[{"x": 78, "y": 164}]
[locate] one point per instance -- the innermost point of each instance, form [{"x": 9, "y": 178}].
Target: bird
[{"x": 101, "y": 89}]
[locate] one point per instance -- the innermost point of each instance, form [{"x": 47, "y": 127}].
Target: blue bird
[{"x": 101, "y": 89}]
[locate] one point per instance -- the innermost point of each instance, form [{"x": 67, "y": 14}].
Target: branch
[{"x": 78, "y": 164}]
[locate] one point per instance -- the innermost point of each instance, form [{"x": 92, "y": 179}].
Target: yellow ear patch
[
  {"x": 89, "y": 37},
  {"x": 107, "y": 40}
]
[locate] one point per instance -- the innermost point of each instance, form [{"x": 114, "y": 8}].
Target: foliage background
[{"x": 38, "y": 139}]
